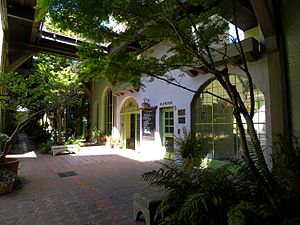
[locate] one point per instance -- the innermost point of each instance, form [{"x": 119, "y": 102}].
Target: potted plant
[
  {"x": 7, "y": 163},
  {"x": 121, "y": 143},
  {"x": 145, "y": 104},
  {"x": 115, "y": 142},
  {"x": 95, "y": 134},
  {"x": 7, "y": 178},
  {"x": 103, "y": 137},
  {"x": 189, "y": 147}
]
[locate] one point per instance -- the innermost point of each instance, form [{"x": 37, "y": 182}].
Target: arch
[
  {"x": 108, "y": 110},
  {"x": 130, "y": 123},
  {"x": 130, "y": 105},
  {"x": 213, "y": 118}
]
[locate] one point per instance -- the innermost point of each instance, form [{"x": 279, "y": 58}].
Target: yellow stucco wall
[
  {"x": 254, "y": 32},
  {"x": 97, "y": 111}
]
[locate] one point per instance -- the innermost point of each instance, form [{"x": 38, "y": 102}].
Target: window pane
[{"x": 213, "y": 118}]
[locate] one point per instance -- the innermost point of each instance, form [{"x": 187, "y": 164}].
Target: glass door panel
[{"x": 168, "y": 129}]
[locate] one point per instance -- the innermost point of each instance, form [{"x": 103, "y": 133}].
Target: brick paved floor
[{"x": 100, "y": 192}]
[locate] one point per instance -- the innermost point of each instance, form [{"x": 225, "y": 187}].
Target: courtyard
[{"x": 73, "y": 189}]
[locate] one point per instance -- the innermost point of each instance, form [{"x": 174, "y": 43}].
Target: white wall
[{"x": 159, "y": 92}]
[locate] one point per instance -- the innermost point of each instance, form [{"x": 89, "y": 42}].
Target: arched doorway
[
  {"x": 130, "y": 123},
  {"x": 212, "y": 117}
]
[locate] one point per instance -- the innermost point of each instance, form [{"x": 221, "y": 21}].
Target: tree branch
[
  {"x": 9, "y": 142},
  {"x": 244, "y": 62}
]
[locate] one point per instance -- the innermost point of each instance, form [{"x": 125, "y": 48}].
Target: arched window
[
  {"x": 108, "y": 111},
  {"x": 212, "y": 117},
  {"x": 130, "y": 105}
]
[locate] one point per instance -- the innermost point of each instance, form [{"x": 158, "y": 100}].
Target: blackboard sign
[{"x": 148, "y": 122}]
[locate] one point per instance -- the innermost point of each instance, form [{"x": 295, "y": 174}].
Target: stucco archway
[{"x": 130, "y": 123}]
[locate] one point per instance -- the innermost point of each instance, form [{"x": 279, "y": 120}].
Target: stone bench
[
  {"x": 59, "y": 149},
  {"x": 146, "y": 204}
]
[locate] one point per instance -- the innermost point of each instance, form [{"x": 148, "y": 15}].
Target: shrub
[
  {"x": 226, "y": 195},
  {"x": 189, "y": 146},
  {"x": 45, "y": 147}
]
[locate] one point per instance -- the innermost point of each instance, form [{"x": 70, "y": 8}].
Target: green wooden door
[{"x": 168, "y": 129}]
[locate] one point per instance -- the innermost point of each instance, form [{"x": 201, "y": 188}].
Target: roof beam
[
  {"x": 21, "y": 11},
  {"x": 20, "y": 18},
  {"x": 47, "y": 48},
  {"x": 18, "y": 62}
]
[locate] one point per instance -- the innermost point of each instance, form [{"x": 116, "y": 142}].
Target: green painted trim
[{"x": 163, "y": 117}]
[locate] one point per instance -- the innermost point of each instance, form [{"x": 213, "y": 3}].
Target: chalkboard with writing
[{"x": 148, "y": 122}]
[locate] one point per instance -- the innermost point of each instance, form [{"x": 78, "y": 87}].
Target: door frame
[
  {"x": 165, "y": 134},
  {"x": 128, "y": 126}
]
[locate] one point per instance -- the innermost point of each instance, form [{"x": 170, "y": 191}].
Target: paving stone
[{"x": 101, "y": 192}]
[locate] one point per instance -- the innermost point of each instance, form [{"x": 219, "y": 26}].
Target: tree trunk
[
  {"x": 11, "y": 140},
  {"x": 59, "y": 126},
  {"x": 259, "y": 175}
]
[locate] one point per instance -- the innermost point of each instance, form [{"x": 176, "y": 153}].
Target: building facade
[
  {"x": 171, "y": 109},
  {"x": 150, "y": 119}
]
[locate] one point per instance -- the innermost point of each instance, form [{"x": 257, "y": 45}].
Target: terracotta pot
[
  {"x": 5, "y": 189},
  {"x": 11, "y": 164}
]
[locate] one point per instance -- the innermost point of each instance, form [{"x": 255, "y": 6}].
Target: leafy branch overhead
[
  {"x": 53, "y": 83},
  {"x": 130, "y": 27}
]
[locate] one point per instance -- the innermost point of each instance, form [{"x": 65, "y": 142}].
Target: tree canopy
[
  {"x": 52, "y": 83},
  {"x": 130, "y": 27}
]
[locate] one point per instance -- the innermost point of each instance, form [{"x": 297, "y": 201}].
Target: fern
[
  {"x": 237, "y": 214},
  {"x": 226, "y": 195},
  {"x": 164, "y": 177},
  {"x": 195, "y": 205}
]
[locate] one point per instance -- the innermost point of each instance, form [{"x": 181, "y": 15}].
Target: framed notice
[
  {"x": 148, "y": 122},
  {"x": 181, "y": 112},
  {"x": 181, "y": 116}
]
